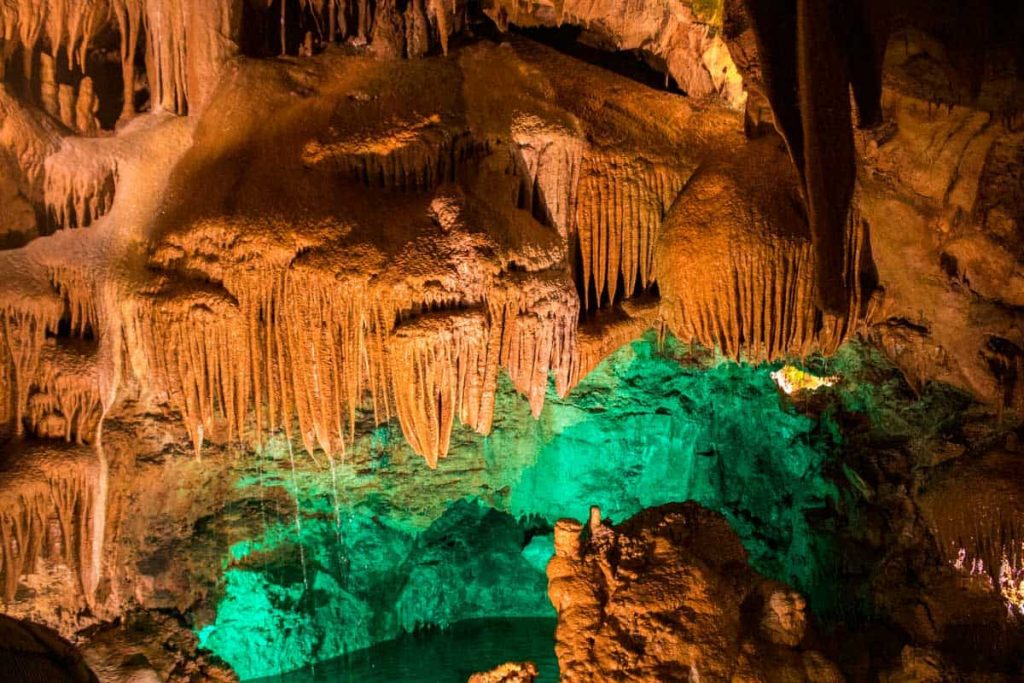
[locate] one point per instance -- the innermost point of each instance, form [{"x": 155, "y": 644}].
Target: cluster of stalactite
[
  {"x": 51, "y": 386},
  {"x": 79, "y": 186},
  {"x": 548, "y": 160},
  {"x": 65, "y": 402},
  {"x": 743, "y": 282},
  {"x": 416, "y": 159},
  {"x": 412, "y": 28},
  {"x": 23, "y": 328},
  {"x": 43, "y": 489},
  {"x": 298, "y": 347},
  {"x": 443, "y": 360},
  {"x": 620, "y": 208},
  {"x": 66, "y": 29},
  {"x": 537, "y": 317}
]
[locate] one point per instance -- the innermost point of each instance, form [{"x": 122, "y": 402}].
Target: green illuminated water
[
  {"x": 412, "y": 548},
  {"x": 442, "y": 656}
]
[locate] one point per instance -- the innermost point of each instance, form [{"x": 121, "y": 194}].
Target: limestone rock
[
  {"x": 668, "y": 595},
  {"x": 29, "y": 652},
  {"x": 681, "y": 38},
  {"x": 512, "y": 672}
]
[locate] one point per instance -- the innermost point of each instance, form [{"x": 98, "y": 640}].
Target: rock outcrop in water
[{"x": 668, "y": 595}]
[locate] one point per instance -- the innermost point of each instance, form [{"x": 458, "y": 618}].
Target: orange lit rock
[
  {"x": 513, "y": 672},
  {"x": 668, "y": 595}
]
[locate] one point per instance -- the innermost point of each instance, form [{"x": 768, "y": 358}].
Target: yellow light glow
[{"x": 792, "y": 380}]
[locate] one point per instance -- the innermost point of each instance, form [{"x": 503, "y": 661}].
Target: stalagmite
[
  {"x": 66, "y": 105},
  {"x": 48, "y": 85},
  {"x": 86, "y": 107}
]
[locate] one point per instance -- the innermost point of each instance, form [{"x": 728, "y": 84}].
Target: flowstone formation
[{"x": 316, "y": 316}]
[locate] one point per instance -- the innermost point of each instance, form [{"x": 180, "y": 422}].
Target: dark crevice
[
  {"x": 261, "y": 28},
  {"x": 66, "y": 331},
  {"x": 632, "y": 64}
]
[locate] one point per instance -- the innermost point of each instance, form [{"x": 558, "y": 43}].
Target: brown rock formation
[
  {"x": 341, "y": 235},
  {"x": 33, "y": 653},
  {"x": 668, "y": 595},
  {"x": 513, "y": 672},
  {"x": 678, "y": 37}
]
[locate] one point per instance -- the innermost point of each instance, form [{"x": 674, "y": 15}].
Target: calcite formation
[
  {"x": 44, "y": 484},
  {"x": 668, "y": 595},
  {"x": 236, "y": 224},
  {"x": 246, "y": 317}
]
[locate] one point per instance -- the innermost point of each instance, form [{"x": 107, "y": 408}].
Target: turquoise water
[
  {"x": 382, "y": 546},
  {"x": 442, "y": 656}
]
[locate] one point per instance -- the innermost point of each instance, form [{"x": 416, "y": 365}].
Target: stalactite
[
  {"x": 416, "y": 158},
  {"x": 22, "y": 333},
  {"x": 129, "y": 21},
  {"x": 439, "y": 370},
  {"x": 620, "y": 207},
  {"x": 39, "y": 377},
  {"x": 740, "y": 276},
  {"x": 80, "y": 184},
  {"x": 45, "y": 483}
]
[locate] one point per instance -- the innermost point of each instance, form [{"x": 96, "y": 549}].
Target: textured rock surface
[
  {"x": 34, "y": 653},
  {"x": 668, "y": 595},
  {"x": 513, "y": 672},
  {"x": 678, "y": 37},
  {"x": 256, "y": 267}
]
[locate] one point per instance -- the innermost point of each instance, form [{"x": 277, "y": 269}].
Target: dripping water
[
  {"x": 302, "y": 548},
  {"x": 298, "y": 517},
  {"x": 337, "y": 520},
  {"x": 262, "y": 453}
]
